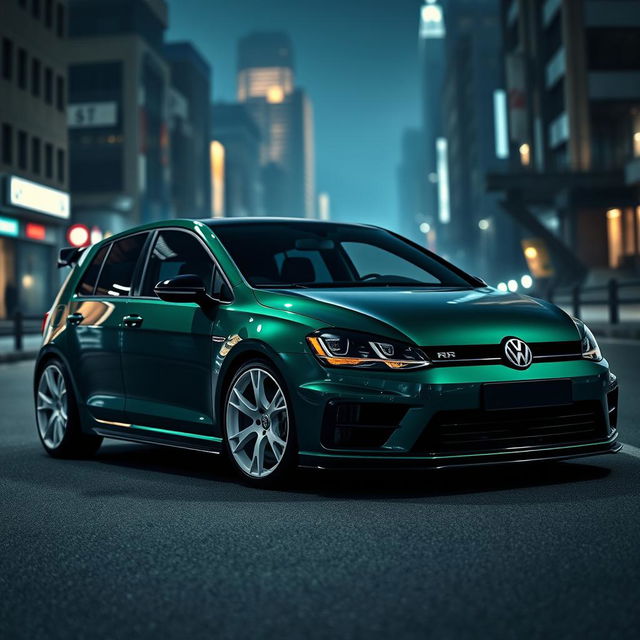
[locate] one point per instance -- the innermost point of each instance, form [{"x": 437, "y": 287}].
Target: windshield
[{"x": 303, "y": 255}]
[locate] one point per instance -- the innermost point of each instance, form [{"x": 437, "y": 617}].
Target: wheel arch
[{"x": 242, "y": 353}]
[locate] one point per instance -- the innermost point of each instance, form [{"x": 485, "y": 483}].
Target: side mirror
[
  {"x": 480, "y": 281},
  {"x": 186, "y": 288}
]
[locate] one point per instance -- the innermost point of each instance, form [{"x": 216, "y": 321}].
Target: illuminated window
[
  {"x": 614, "y": 237},
  {"x": 275, "y": 95},
  {"x": 217, "y": 162}
]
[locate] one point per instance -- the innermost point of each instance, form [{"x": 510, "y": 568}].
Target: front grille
[
  {"x": 452, "y": 355},
  {"x": 481, "y": 431},
  {"x": 360, "y": 425}
]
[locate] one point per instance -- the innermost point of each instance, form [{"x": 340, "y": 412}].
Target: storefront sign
[
  {"x": 36, "y": 197},
  {"x": 9, "y": 227},
  {"x": 92, "y": 114}
]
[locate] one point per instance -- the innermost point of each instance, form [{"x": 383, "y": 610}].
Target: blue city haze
[{"x": 358, "y": 61}]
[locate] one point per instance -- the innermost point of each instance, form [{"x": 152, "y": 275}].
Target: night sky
[{"x": 358, "y": 61}]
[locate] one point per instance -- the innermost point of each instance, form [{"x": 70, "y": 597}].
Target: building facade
[
  {"x": 235, "y": 131},
  {"x": 34, "y": 198},
  {"x": 284, "y": 115},
  {"x": 119, "y": 83},
  {"x": 474, "y": 126},
  {"x": 573, "y": 76},
  {"x": 189, "y": 111}
]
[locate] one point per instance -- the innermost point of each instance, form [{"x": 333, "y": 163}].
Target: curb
[{"x": 17, "y": 356}]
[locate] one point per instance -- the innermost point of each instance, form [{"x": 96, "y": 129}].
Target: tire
[
  {"x": 259, "y": 430},
  {"x": 57, "y": 418}
]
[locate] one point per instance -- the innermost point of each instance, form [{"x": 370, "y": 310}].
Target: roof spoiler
[{"x": 69, "y": 256}]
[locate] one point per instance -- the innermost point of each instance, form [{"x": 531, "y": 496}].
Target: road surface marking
[{"x": 631, "y": 450}]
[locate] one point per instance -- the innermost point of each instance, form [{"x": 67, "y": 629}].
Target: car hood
[{"x": 429, "y": 316}]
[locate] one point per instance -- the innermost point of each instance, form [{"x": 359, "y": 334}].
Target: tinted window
[
  {"x": 90, "y": 277},
  {"x": 332, "y": 255},
  {"x": 117, "y": 274},
  {"x": 176, "y": 253}
]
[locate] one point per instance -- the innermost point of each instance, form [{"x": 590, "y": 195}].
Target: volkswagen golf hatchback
[{"x": 283, "y": 343}]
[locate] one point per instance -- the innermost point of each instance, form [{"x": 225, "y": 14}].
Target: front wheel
[
  {"x": 57, "y": 416},
  {"x": 258, "y": 424}
]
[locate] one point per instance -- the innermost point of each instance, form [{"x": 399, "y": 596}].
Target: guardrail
[
  {"x": 611, "y": 296},
  {"x": 19, "y": 326}
]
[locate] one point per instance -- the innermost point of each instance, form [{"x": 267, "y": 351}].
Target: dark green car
[{"x": 284, "y": 343}]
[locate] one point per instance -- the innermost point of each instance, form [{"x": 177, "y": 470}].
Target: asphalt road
[{"x": 148, "y": 542}]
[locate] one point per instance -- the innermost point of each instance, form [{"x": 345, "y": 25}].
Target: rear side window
[
  {"x": 117, "y": 274},
  {"x": 89, "y": 278},
  {"x": 176, "y": 253}
]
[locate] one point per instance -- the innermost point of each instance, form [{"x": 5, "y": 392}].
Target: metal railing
[
  {"x": 613, "y": 296},
  {"x": 19, "y": 326}
]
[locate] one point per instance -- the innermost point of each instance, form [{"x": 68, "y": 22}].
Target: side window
[
  {"x": 296, "y": 265},
  {"x": 177, "y": 253},
  {"x": 89, "y": 278},
  {"x": 117, "y": 274}
]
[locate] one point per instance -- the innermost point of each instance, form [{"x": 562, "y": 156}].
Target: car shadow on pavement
[
  {"x": 361, "y": 485},
  {"x": 157, "y": 473}
]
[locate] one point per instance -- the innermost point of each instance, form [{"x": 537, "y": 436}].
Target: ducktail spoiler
[{"x": 69, "y": 256}]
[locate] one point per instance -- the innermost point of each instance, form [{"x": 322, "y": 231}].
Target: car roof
[{"x": 249, "y": 220}]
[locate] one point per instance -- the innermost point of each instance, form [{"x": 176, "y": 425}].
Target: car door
[
  {"x": 94, "y": 323},
  {"x": 167, "y": 347}
]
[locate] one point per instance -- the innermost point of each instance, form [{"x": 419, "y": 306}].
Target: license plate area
[{"x": 497, "y": 396}]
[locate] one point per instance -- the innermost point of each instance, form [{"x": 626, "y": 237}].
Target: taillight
[{"x": 45, "y": 319}]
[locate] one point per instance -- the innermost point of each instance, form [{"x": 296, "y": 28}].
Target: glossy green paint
[{"x": 169, "y": 375}]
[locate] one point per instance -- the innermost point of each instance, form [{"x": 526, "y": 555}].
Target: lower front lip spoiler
[{"x": 310, "y": 460}]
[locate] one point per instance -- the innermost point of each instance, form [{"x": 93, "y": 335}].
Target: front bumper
[{"x": 428, "y": 394}]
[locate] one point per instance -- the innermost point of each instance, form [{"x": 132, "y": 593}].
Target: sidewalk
[{"x": 30, "y": 347}]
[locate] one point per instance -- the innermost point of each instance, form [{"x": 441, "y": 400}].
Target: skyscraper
[
  {"x": 189, "y": 110},
  {"x": 435, "y": 210},
  {"x": 284, "y": 115}
]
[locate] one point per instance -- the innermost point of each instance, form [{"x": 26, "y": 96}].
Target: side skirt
[{"x": 168, "y": 439}]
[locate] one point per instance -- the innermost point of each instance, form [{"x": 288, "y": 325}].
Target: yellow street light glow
[
  {"x": 483, "y": 224},
  {"x": 27, "y": 281},
  {"x": 531, "y": 253},
  {"x": 613, "y": 213},
  {"x": 425, "y": 227},
  {"x": 512, "y": 285},
  {"x": 502, "y": 286},
  {"x": 525, "y": 154}
]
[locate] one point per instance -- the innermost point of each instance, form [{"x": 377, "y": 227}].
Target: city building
[
  {"x": 473, "y": 121},
  {"x": 411, "y": 188},
  {"x": 433, "y": 209},
  {"x": 573, "y": 77},
  {"x": 284, "y": 115},
  {"x": 34, "y": 198},
  {"x": 119, "y": 83},
  {"x": 189, "y": 111},
  {"x": 238, "y": 135}
]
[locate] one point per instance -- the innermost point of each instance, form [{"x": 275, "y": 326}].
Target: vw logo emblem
[{"x": 518, "y": 353}]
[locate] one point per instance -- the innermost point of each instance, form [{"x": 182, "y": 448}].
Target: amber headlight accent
[{"x": 339, "y": 348}]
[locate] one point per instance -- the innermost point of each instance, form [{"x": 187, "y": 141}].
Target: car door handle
[
  {"x": 75, "y": 319},
  {"x": 134, "y": 320}
]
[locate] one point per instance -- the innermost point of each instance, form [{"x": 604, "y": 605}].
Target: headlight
[
  {"x": 589, "y": 345},
  {"x": 351, "y": 349}
]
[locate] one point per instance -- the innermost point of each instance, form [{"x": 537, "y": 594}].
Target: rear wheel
[
  {"x": 57, "y": 415},
  {"x": 259, "y": 431}
]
